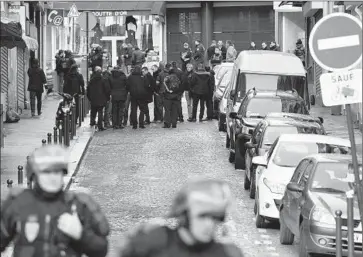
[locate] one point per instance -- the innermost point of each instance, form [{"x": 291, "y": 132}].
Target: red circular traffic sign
[{"x": 336, "y": 42}]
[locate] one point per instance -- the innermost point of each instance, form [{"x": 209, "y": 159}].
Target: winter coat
[
  {"x": 160, "y": 87},
  {"x": 138, "y": 57},
  {"x": 59, "y": 64},
  {"x": 300, "y": 52},
  {"x": 175, "y": 95},
  {"x": 98, "y": 90},
  {"x": 187, "y": 54},
  {"x": 151, "y": 87},
  {"x": 37, "y": 79},
  {"x": 199, "y": 54},
  {"x": 224, "y": 51},
  {"x": 96, "y": 59},
  {"x": 216, "y": 59},
  {"x": 68, "y": 62},
  {"x": 202, "y": 83},
  {"x": 191, "y": 80},
  {"x": 30, "y": 208},
  {"x": 231, "y": 54},
  {"x": 138, "y": 86},
  {"x": 118, "y": 84},
  {"x": 73, "y": 83},
  {"x": 127, "y": 53},
  {"x": 210, "y": 52}
]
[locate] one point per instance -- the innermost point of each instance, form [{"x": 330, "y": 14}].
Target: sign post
[
  {"x": 336, "y": 45},
  {"x": 87, "y": 21},
  {"x": 73, "y": 13}
]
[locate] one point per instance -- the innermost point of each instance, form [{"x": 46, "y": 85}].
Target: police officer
[
  {"x": 199, "y": 208},
  {"x": 48, "y": 222}
]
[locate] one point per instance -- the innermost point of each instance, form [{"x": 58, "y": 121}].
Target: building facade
[{"x": 18, "y": 44}]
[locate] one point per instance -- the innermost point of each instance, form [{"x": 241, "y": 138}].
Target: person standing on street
[
  {"x": 59, "y": 59},
  {"x": 223, "y": 49},
  {"x": 126, "y": 55},
  {"x": 158, "y": 103},
  {"x": 231, "y": 52},
  {"x": 118, "y": 83},
  {"x": 200, "y": 90},
  {"x": 37, "y": 79},
  {"x": 209, "y": 95},
  {"x": 74, "y": 85},
  {"x": 151, "y": 90},
  {"x": 216, "y": 58},
  {"x": 107, "y": 116},
  {"x": 300, "y": 51},
  {"x": 199, "y": 53},
  {"x": 160, "y": 89},
  {"x": 48, "y": 221},
  {"x": 138, "y": 57},
  {"x": 98, "y": 93},
  {"x": 252, "y": 46},
  {"x": 188, "y": 93},
  {"x": 199, "y": 208},
  {"x": 185, "y": 56},
  {"x": 180, "y": 75},
  {"x": 211, "y": 51},
  {"x": 138, "y": 86},
  {"x": 68, "y": 62}
]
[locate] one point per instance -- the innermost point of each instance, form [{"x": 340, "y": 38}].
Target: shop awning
[
  {"x": 10, "y": 34},
  {"x": 132, "y": 7},
  {"x": 31, "y": 43}
]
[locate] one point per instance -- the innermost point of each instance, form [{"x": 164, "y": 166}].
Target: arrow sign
[
  {"x": 73, "y": 12},
  {"x": 336, "y": 42}
]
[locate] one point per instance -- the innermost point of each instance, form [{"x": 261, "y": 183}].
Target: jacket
[
  {"x": 118, "y": 83},
  {"x": 138, "y": 86},
  {"x": 210, "y": 52},
  {"x": 160, "y": 87},
  {"x": 138, "y": 57},
  {"x": 73, "y": 83},
  {"x": 175, "y": 95},
  {"x": 127, "y": 55},
  {"x": 98, "y": 90},
  {"x": 199, "y": 54},
  {"x": 231, "y": 54},
  {"x": 37, "y": 79},
  {"x": 36, "y": 219},
  {"x": 151, "y": 87},
  {"x": 202, "y": 83}
]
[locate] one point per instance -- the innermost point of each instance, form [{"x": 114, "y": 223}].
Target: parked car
[
  {"x": 222, "y": 109},
  {"x": 220, "y": 70},
  {"x": 276, "y": 168},
  {"x": 317, "y": 189},
  {"x": 254, "y": 107},
  {"x": 295, "y": 116},
  {"x": 265, "y": 134}
]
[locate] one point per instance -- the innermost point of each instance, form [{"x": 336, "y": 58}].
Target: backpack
[{"x": 172, "y": 82}]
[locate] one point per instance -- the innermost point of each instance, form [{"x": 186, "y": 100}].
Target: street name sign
[
  {"x": 82, "y": 20},
  {"x": 343, "y": 87},
  {"x": 336, "y": 42},
  {"x": 73, "y": 12}
]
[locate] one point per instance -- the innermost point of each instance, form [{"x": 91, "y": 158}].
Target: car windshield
[
  {"x": 274, "y": 132},
  {"x": 333, "y": 177},
  {"x": 260, "y": 107},
  {"x": 225, "y": 80},
  {"x": 289, "y": 154}
]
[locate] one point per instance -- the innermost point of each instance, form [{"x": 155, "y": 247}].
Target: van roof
[{"x": 270, "y": 62}]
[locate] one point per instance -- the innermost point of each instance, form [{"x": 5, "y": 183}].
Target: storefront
[{"x": 140, "y": 23}]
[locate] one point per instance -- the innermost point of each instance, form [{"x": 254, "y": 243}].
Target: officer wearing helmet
[
  {"x": 199, "y": 207},
  {"x": 48, "y": 222}
]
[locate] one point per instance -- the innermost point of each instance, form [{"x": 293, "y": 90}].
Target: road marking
[{"x": 338, "y": 42}]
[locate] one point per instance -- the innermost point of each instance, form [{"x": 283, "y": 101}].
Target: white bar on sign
[{"x": 338, "y": 42}]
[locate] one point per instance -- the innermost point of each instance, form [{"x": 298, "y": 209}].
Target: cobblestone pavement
[{"x": 134, "y": 174}]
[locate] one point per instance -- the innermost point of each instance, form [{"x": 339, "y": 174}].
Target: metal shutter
[
  {"x": 317, "y": 69},
  {"x": 21, "y": 79},
  {"x": 4, "y": 76}
]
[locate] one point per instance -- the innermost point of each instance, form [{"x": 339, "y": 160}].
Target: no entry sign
[{"x": 336, "y": 42}]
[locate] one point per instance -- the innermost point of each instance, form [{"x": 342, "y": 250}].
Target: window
[
  {"x": 272, "y": 132},
  {"x": 299, "y": 170},
  {"x": 272, "y": 149},
  {"x": 305, "y": 175},
  {"x": 258, "y": 132}
]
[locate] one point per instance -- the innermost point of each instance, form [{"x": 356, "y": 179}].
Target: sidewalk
[
  {"x": 23, "y": 137},
  {"x": 337, "y": 126}
]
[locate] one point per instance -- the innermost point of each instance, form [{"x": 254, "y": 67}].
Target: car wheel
[
  {"x": 228, "y": 141},
  {"x": 302, "y": 244},
  {"x": 253, "y": 182},
  {"x": 231, "y": 156},
  {"x": 220, "y": 125},
  {"x": 286, "y": 236},
  {"x": 255, "y": 208},
  {"x": 260, "y": 221},
  {"x": 246, "y": 183},
  {"x": 238, "y": 159}
]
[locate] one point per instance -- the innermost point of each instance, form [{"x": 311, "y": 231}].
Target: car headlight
[
  {"x": 275, "y": 188},
  {"x": 322, "y": 216}
]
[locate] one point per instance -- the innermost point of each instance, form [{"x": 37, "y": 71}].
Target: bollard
[
  {"x": 60, "y": 135},
  {"x": 44, "y": 142},
  {"x": 350, "y": 225},
  {"x": 338, "y": 242},
  {"x": 49, "y": 135},
  {"x": 80, "y": 111},
  {"x": 27, "y": 170},
  {"x": 74, "y": 121},
  {"x": 55, "y": 135},
  {"x": 66, "y": 129},
  {"x": 84, "y": 109},
  {"x": 20, "y": 175},
  {"x": 9, "y": 182},
  {"x": 70, "y": 124}
]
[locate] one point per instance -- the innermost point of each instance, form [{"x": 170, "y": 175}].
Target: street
[{"x": 134, "y": 175}]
